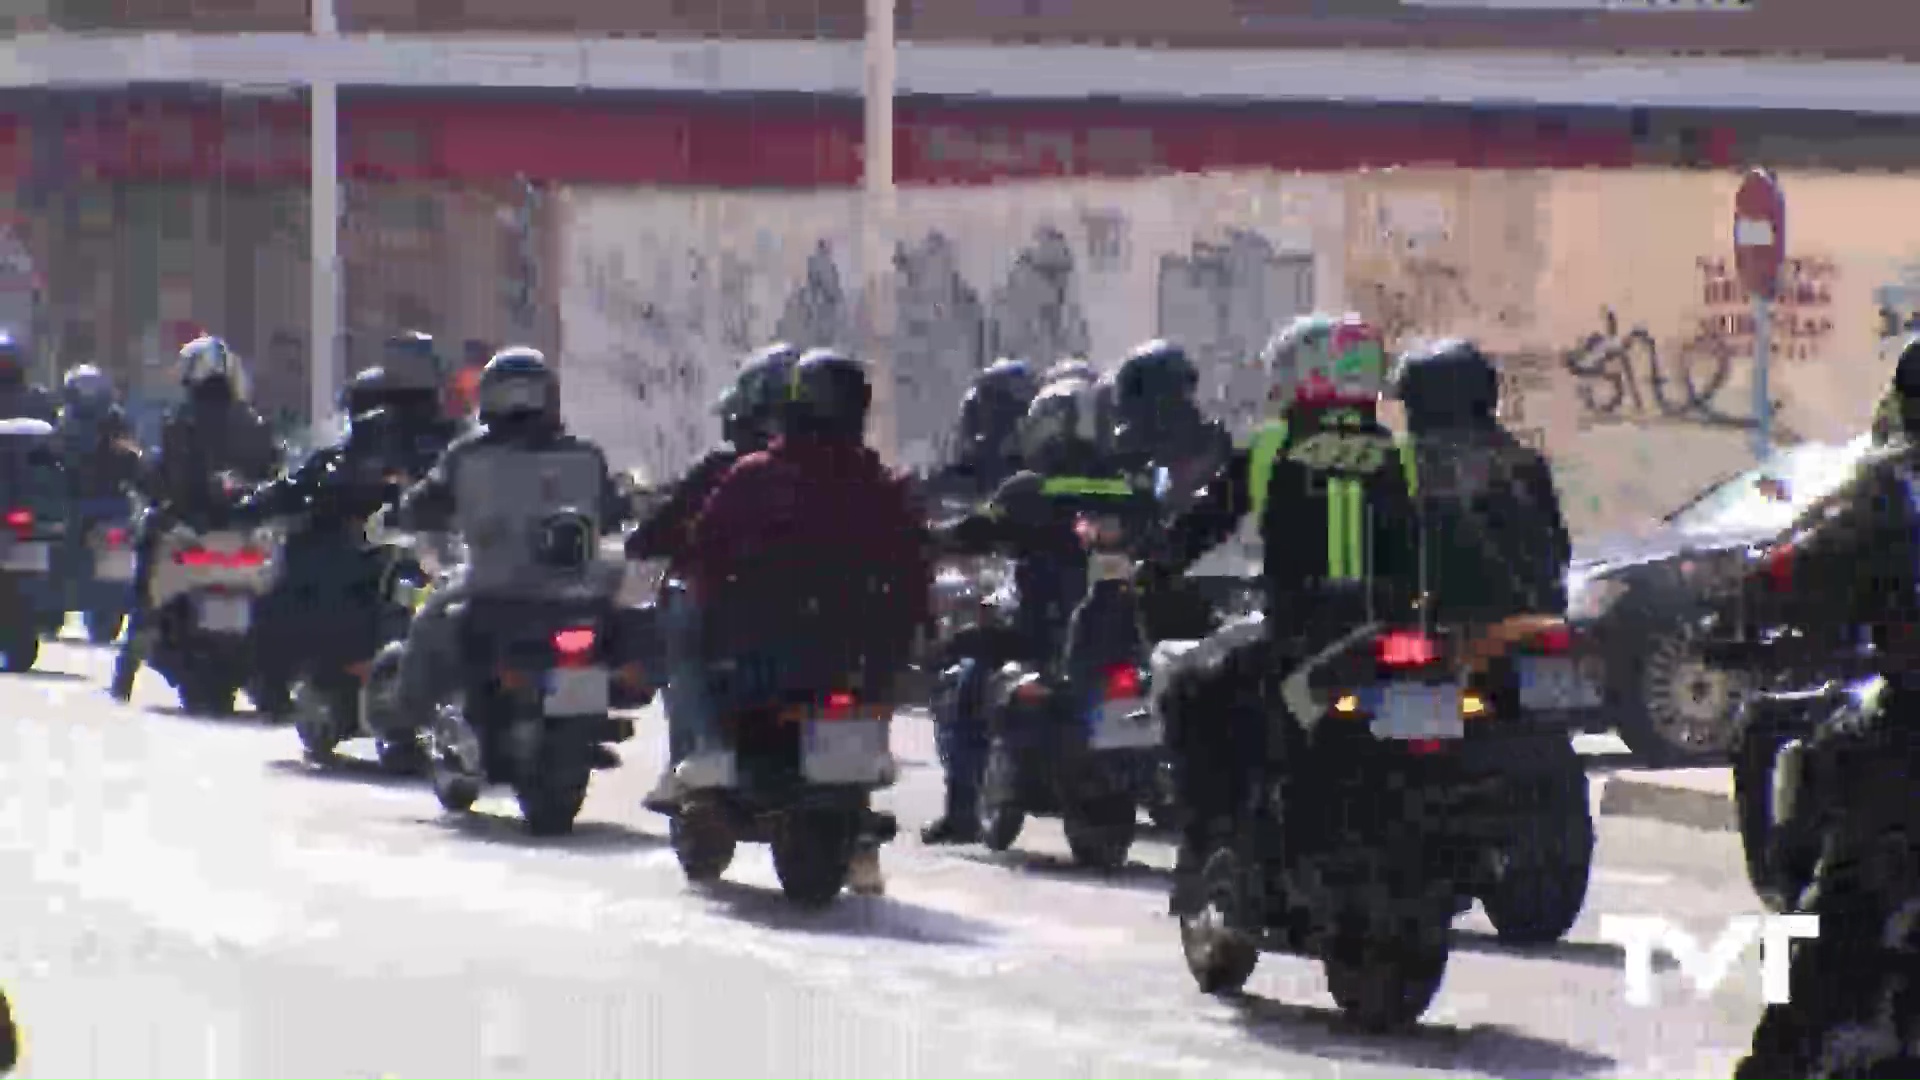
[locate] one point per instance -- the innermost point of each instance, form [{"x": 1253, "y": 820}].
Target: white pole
[
  {"x": 876, "y": 223},
  {"x": 323, "y": 349}
]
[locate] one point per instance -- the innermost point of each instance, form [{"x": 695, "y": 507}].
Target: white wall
[{"x": 661, "y": 292}]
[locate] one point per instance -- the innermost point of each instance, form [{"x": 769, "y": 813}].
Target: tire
[
  {"x": 1384, "y": 985},
  {"x": 1001, "y": 818},
  {"x": 205, "y": 693},
  {"x": 703, "y": 844},
  {"x": 272, "y": 698},
  {"x": 20, "y": 654},
  {"x": 457, "y": 793},
  {"x": 1100, "y": 834},
  {"x": 551, "y": 792},
  {"x": 315, "y": 722},
  {"x": 812, "y": 854},
  {"x": 1668, "y": 691},
  {"x": 1548, "y": 864},
  {"x": 1220, "y": 951},
  {"x": 401, "y": 756},
  {"x": 1754, "y": 754},
  {"x": 104, "y": 627}
]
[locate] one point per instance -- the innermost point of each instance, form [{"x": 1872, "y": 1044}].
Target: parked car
[{"x": 1642, "y": 600}]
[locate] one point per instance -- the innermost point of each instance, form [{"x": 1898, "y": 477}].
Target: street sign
[{"x": 1759, "y": 233}]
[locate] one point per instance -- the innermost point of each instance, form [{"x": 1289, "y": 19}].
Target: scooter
[{"x": 204, "y": 588}]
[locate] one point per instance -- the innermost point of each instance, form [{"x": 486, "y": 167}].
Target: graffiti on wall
[
  {"x": 1802, "y": 315},
  {"x": 1222, "y": 301},
  {"x": 1624, "y": 377}
]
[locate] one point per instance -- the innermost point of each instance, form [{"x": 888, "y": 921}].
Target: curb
[{"x": 1657, "y": 798}]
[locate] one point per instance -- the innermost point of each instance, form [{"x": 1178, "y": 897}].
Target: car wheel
[{"x": 1676, "y": 707}]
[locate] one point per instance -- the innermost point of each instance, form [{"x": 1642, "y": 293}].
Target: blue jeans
[
  {"x": 689, "y": 706},
  {"x": 960, "y": 732}
]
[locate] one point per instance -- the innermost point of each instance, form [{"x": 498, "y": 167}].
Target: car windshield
[{"x": 1770, "y": 495}]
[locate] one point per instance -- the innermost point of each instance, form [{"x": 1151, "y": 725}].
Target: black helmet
[
  {"x": 1154, "y": 387},
  {"x": 750, "y": 408},
  {"x": 1063, "y": 431},
  {"x": 828, "y": 396},
  {"x": 1899, "y": 412},
  {"x": 1446, "y": 384},
  {"x": 366, "y": 391},
  {"x": 517, "y": 385},
  {"x": 994, "y": 406}
]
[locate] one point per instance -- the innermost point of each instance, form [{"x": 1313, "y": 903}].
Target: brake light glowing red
[
  {"x": 1555, "y": 642},
  {"x": 1779, "y": 569},
  {"x": 574, "y": 642},
  {"x": 1405, "y": 649},
  {"x": 1122, "y": 682},
  {"x": 116, "y": 538},
  {"x": 840, "y": 701},
  {"x": 20, "y": 521},
  {"x": 204, "y": 559}
]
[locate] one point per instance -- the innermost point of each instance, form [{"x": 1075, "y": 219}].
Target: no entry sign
[{"x": 1759, "y": 233}]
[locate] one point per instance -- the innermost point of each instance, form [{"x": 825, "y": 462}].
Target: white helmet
[
  {"x": 206, "y": 358},
  {"x": 1325, "y": 358}
]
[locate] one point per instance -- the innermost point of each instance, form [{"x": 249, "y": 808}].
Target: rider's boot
[{"x": 960, "y": 823}]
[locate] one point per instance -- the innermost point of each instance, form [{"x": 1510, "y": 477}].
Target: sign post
[{"x": 1759, "y": 249}]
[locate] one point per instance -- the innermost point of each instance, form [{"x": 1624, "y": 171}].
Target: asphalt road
[{"x": 187, "y": 898}]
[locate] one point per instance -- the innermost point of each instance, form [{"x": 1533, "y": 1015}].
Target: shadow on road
[
  {"x": 849, "y": 916},
  {"x": 1135, "y": 875},
  {"x": 237, "y": 718},
  {"x": 1598, "y": 954},
  {"x": 44, "y": 675},
  {"x": 1485, "y": 1050},
  {"x": 342, "y": 768},
  {"x": 587, "y": 837}
]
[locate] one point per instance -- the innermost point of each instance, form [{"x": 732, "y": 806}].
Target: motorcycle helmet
[
  {"x": 86, "y": 388},
  {"x": 1154, "y": 389},
  {"x": 1072, "y": 369},
  {"x": 209, "y": 369},
  {"x": 991, "y": 413},
  {"x": 414, "y": 372},
  {"x": 749, "y": 409},
  {"x": 1446, "y": 384},
  {"x": 365, "y": 392},
  {"x": 1325, "y": 360},
  {"x": 829, "y": 396},
  {"x": 1062, "y": 432},
  {"x": 516, "y": 386}
]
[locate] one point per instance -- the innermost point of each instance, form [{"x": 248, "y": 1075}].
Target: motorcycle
[
  {"x": 100, "y": 566},
  {"x": 337, "y": 700},
  {"x": 31, "y": 605},
  {"x": 1416, "y": 787},
  {"x": 533, "y": 710},
  {"x": 799, "y": 779},
  {"x": 1080, "y": 742},
  {"x": 204, "y": 588}
]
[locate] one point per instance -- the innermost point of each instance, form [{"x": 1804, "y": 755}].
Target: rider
[
  {"x": 748, "y": 411},
  {"x": 20, "y": 398},
  {"x": 1157, "y": 418},
  {"x": 1858, "y": 564},
  {"x": 324, "y": 598},
  {"x": 409, "y": 393},
  {"x": 519, "y": 413},
  {"x": 989, "y": 430},
  {"x": 1497, "y": 542},
  {"x": 1069, "y": 469},
  {"x": 1339, "y": 535},
  {"x": 793, "y": 539},
  {"x": 211, "y": 433},
  {"x": 100, "y": 459}
]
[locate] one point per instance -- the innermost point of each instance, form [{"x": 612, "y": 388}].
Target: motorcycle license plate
[
  {"x": 855, "y": 750},
  {"x": 1417, "y": 711},
  {"x": 576, "y": 692},
  {"x": 1556, "y": 682},
  {"x": 113, "y": 566},
  {"x": 1124, "y": 725},
  {"x": 29, "y": 557},
  {"x": 223, "y": 614},
  {"x": 1109, "y": 567}
]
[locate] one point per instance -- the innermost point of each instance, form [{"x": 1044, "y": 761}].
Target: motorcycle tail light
[
  {"x": 573, "y": 645},
  {"x": 20, "y": 521},
  {"x": 1405, "y": 649},
  {"x": 1555, "y": 642},
  {"x": 247, "y": 559},
  {"x": 116, "y": 538},
  {"x": 1778, "y": 569},
  {"x": 1122, "y": 682},
  {"x": 840, "y": 704},
  {"x": 200, "y": 558}
]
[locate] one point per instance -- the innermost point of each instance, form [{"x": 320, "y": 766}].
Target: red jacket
[{"x": 815, "y": 551}]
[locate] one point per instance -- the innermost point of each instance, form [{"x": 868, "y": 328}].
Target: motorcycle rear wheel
[
  {"x": 1383, "y": 984},
  {"x": 812, "y": 855},
  {"x": 552, "y": 789}
]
